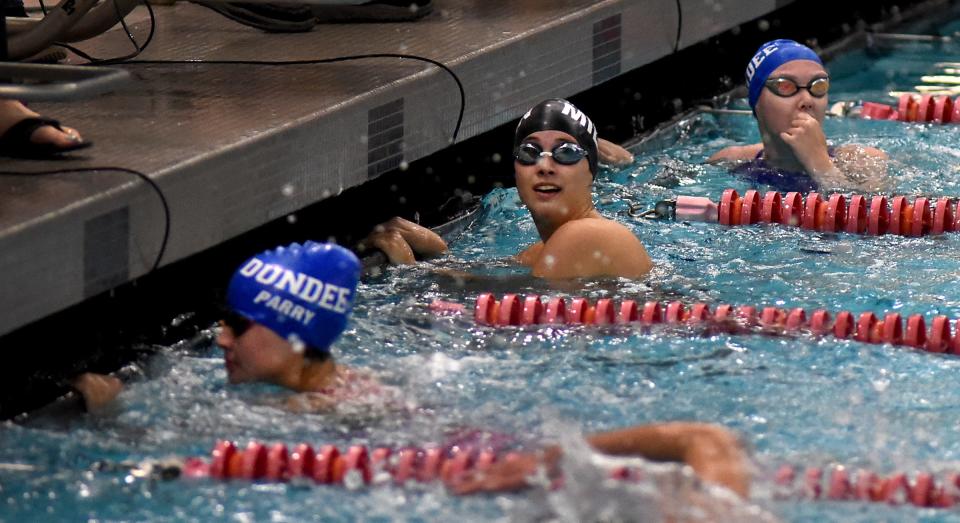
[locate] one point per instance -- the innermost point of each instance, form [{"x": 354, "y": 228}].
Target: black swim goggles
[
  {"x": 785, "y": 87},
  {"x": 567, "y": 153},
  {"x": 238, "y": 324}
]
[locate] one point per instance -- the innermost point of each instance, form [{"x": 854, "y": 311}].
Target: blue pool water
[{"x": 797, "y": 400}]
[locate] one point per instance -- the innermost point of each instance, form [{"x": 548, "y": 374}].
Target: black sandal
[{"x": 16, "y": 142}]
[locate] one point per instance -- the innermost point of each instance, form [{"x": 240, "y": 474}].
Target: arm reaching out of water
[
  {"x": 612, "y": 154},
  {"x": 712, "y": 451},
  {"x": 401, "y": 240}
]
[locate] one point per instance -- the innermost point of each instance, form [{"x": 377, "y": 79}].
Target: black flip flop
[{"x": 16, "y": 143}]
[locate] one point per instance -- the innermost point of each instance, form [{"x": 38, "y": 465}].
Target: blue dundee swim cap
[
  {"x": 769, "y": 57},
  {"x": 301, "y": 292},
  {"x": 560, "y": 115}
]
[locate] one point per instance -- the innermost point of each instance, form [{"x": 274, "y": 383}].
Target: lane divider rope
[
  {"x": 913, "y": 107},
  {"x": 855, "y": 214},
  {"x": 867, "y": 327},
  {"x": 328, "y": 465}
]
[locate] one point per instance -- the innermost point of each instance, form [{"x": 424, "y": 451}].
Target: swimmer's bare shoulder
[
  {"x": 530, "y": 255},
  {"x": 592, "y": 247},
  {"x": 853, "y": 150},
  {"x": 736, "y": 153},
  {"x": 351, "y": 387},
  {"x": 862, "y": 168}
]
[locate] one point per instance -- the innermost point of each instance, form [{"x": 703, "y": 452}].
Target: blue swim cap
[
  {"x": 769, "y": 57},
  {"x": 304, "y": 293}
]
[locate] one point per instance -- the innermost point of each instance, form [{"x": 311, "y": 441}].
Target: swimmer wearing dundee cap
[
  {"x": 556, "y": 158},
  {"x": 788, "y": 87},
  {"x": 288, "y": 305}
]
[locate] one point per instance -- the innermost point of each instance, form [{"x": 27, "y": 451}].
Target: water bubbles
[
  {"x": 353, "y": 480},
  {"x": 299, "y": 347},
  {"x": 763, "y": 25},
  {"x": 287, "y": 190},
  {"x": 495, "y": 158},
  {"x": 549, "y": 260},
  {"x": 404, "y": 165},
  {"x": 291, "y": 218}
]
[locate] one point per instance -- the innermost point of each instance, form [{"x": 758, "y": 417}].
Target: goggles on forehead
[
  {"x": 785, "y": 87},
  {"x": 566, "y": 153},
  {"x": 238, "y": 324}
]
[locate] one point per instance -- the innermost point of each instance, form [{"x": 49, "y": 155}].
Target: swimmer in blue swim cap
[
  {"x": 787, "y": 90},
  {"x": 556, "y": 158},
  {"x": 286, "y": 307}
]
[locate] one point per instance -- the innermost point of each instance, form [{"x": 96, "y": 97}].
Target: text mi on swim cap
[
  {"x": 303, "y": 293},
  {"x": 768, "y": 58},
  {"x": 560, "y": 115}
]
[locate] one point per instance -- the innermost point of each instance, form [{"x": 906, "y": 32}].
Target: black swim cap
[{"x": 560, "y": 115}]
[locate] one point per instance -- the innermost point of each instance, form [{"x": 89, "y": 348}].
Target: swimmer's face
[
  {"x": 775, "y": 114},
  {"x": 554, "y": 192},
  {"x": 257, "y": 354}
]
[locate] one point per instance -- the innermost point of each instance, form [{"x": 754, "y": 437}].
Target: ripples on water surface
[{"x": 794, "y": 399}]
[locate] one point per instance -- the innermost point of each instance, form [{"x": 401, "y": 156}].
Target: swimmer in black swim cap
[
  {"x": 788, "y": 88},
  {"x": 558, "y": 115},
  {"x": 555, "y": 160}
]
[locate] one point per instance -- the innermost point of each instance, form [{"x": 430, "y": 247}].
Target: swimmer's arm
[
  {"x": 90, "y": 392},
  {"x": 591, "y": 248},
  {"x": 712, "y": 451},
  {"x": 612, "y": 154},
  {"x": 736, "y": 153},
  {"x": 402, "y": 240}
]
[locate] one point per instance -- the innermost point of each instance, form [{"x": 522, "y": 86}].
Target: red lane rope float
[
  {"x": 839, "y": 484},
  {"x": 915, "y": 108},
  {"x": 837, "y": 213},
  {"x": 865, "y": 327},
  {"x": 329, "y": 466}
]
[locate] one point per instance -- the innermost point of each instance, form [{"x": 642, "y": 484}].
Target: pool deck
[{"x": 235, "y": 146}]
